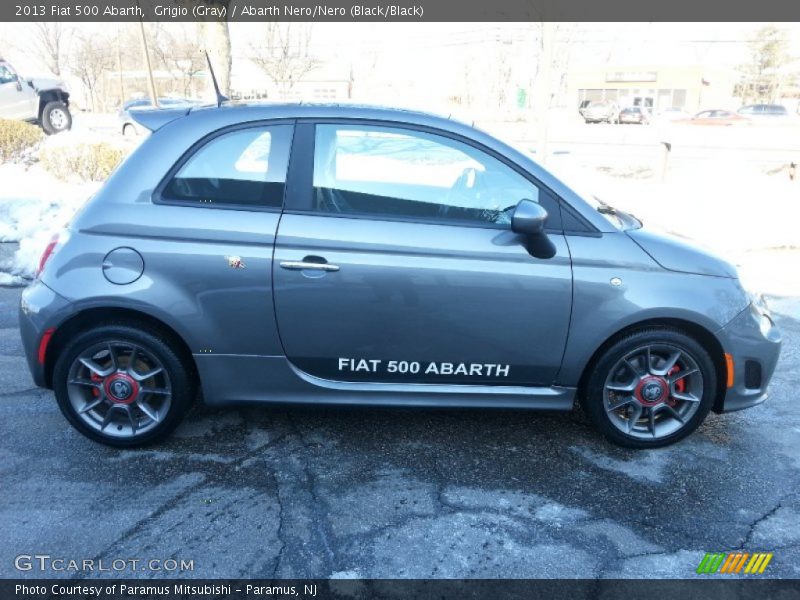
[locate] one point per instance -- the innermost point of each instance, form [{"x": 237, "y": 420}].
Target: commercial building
[{"x": 691, "y": 88}]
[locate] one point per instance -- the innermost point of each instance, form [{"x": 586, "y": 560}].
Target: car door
[
  {"x": 14, "y": 102},
  {"x": 397, "y": 263}
]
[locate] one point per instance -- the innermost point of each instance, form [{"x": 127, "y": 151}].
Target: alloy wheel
[
  {"x": 119, "y": 389},
  {"x": 653, "y": 391}
]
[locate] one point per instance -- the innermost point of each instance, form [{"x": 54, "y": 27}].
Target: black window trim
[
  {"x": 158, "y": 196},
  {"x": 300, "y": 202}
]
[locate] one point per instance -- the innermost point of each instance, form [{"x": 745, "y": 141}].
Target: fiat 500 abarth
[{"x": 360, "y": 255}]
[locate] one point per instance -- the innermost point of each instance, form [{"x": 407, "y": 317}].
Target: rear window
[{"x": 244, "y": 168}]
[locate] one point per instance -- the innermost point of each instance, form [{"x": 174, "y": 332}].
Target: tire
[
  {"x": 129, "y": 130},
  {"x": 160, "y": 385},
  {"x": 56, "y": 118},
  {"x": 659, "y": 393}
]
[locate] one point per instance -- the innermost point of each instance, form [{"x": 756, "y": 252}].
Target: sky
[
  {"x": 712, "y": 44},
  {"x": 410, "y": 64}
]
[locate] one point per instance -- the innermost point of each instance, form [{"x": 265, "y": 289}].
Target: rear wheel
[
  {"x": 123, "y": 386},
  {"x": 650, "y": 388},
  {"x": 56, "y": 117}
]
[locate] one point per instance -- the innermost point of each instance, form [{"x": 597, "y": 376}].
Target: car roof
[
  {"x": 324, "y": 109},
  {"x": 241, "y": 112}
]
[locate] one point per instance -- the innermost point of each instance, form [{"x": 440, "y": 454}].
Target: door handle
[{"x": 301, "y": 265}]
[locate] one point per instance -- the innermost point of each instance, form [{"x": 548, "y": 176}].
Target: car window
[
  {"x": 245, "y": 168},
  {"x": 6, "y": 75},
  {"x": 372, "y": 170}
]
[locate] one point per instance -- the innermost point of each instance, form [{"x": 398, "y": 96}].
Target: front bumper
[
  {"x": 40, "y": 309},
  {"x": 754, "y": 343}
]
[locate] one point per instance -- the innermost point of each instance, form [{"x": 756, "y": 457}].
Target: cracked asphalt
[{"x": 303, "y": 492}]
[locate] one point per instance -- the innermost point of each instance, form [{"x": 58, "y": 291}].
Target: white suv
[{"x": 41, "y": 101}]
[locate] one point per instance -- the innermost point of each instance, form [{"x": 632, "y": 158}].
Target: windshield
[{"x": 617, "y": 218}]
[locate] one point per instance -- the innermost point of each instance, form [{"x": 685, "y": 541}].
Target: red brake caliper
[
  {"x": 97, "y": 379},
  {"x": 680, "y": 385}
]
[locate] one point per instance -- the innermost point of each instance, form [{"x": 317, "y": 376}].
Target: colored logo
[
  {"x": 734, "y": 562},
  {"x": 235, "y": 262}
]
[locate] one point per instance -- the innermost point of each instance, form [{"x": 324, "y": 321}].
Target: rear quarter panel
[{"x": 187, "y": 280}]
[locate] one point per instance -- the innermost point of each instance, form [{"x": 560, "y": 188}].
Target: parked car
[
  {"x": 128, "y": 125},
  {"x": 769, "y": 111},
  {"x": 601, "y": 112},
  {"x": 672, "y": 114},
  {"x": 38, "y": 100},
  {"x": 354, "y": 255},
  {"x": 634, "y": 114},
  {"x": 719, "y": 117}
]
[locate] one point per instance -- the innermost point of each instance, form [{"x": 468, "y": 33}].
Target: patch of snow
[
  {"x": 12, "y": 280},
  {"x": 645, "y": 466},
  {"x": 557, "y": 514},
  {"x": 345, "y": 575},
  {"x": 33, "y": 206}
]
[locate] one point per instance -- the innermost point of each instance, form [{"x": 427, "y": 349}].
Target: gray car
[{"x": 369, "y": 256}]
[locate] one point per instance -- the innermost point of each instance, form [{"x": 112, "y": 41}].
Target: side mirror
[{"x": 528, "y": 219}]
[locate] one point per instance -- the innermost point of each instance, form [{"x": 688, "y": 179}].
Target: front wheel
[
  {"x": 56, "y": 118},
  {"x": 123, "y": 386},
  {"x": 650, "y": 388}
]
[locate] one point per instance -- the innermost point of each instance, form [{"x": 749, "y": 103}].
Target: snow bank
[{"x": 34, "y": 205}]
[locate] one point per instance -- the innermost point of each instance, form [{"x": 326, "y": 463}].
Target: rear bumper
[
  {"x": 40, "y": 310},
  {"x": 754, "y": 342}
]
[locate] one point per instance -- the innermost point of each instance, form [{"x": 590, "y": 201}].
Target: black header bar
[{"x": 397, "y": 10}]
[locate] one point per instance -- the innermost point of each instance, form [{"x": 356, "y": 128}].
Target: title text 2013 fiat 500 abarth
[{"x": 360, "y": 255}]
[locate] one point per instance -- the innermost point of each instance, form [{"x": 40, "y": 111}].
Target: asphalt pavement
[{"x": 302, "y": 492}]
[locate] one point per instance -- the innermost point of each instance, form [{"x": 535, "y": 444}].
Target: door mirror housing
[{"x": 528, "y": 219}]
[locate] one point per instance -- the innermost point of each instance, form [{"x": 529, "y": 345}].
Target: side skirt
[{"x": 235, "y": 379}]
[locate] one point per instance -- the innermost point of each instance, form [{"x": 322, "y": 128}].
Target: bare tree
[
  {"x": 49, "y": 43},
  {"x": 215, "y": 38},
  {"x": 284, "y": 54},
  {"x": 180, "y": 51},
  {"x": 501, "y": 81},
  {"x": 89, "y": 61},
  {"x": 763, "y": 76}
]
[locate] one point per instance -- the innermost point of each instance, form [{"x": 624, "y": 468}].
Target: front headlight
[
  {"x": 758, "y": 301},
  {"x": 749, "y": 284}
]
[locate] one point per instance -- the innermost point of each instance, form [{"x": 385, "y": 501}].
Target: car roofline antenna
[{"x": 220, "y": 97}]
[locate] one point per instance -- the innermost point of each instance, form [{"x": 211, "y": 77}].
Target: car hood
[
  {"x": 44, "y": 83},
  {"x": 677, "y": 254}
]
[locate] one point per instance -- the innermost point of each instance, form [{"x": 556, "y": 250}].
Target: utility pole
[
  {"x": 119, "y": 69},
  {"x": 150, "y": 80},
  {"x": 543, "y": 89}
]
